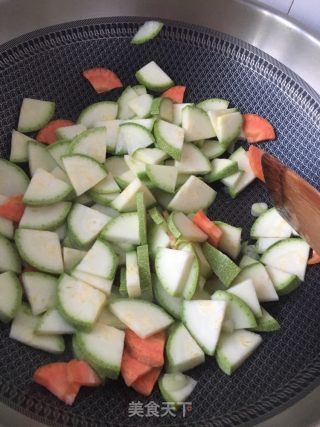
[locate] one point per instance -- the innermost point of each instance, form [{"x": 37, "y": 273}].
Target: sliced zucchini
[
  {"x": 212, "y": 149},
  {"x": 6, "y": 228},
  {"x": 13, "y": 179},
  {"x": 247, "y": 292},
  {"x": 203, "y": 319},
  {"x": 34, "y": 114},
  {"x": 142, "y": 215},
  {"x": 126, "y": 201},
  {"x": 258, "y": 208},
  {"x": 152, "y": 156},
  {"x": 169, "y": 138},
  {"x": 124, "y": 111},
  {"x": 144, "y": 272},
  {"x": 41, "y": 249},
  {"x": 9, "y": 257},
  {"x": 97, "y": 282},
  {"x": 153, "y": 77},
  {"x": 227, "y": 126},
  {"x": 71, "y": 257},
  {"x": 45, "y": 189},
  {"x": 39, "y": 157},
  {"x": 196, "y": 124},
  {"x": 45, "y": 217},
  {"x": 58, "y": 150},
  {"x": 91, "y": 143},
  {"x": 213, "y": 104},
  {"x": 148, "y": 31},
  {"x": 162, "y": 108},
  {"x": 177, "y": 112},
  {"x": 103, "y": 110},
  {"x": 10, "y": 296},
  {"x": 157, "y": 238},
  {"x": 205, "y": 269},
  {"x": 135, "y": 137},
  {"x": 173, "y": 305},
  {"x": 221, "y": 168},
  {"x": 79, "y": 303},
  {"x": 139, "y": 90},
  {"x": 270, "y": 224},
  {"x": 264, "y": 243},
  {"x": 107, "y": 318},
  {"x": 233, "y": 349},
  {"x": 176, "y": 388},
  {"x": 192, "y": 281},
  {"x": 283, "y": 282},
  {"x": 247, "y": 175},
  {"x": 156, "y": 216},
  {"x": 193, "y": 195},
  {"x": 40, "y": 289},
  {"x": 19, "y": 147},
  {"x": 289, "y": 255},
  {"x": 192, "y": 161},
  {"x": 246, "y": 260},
  {"x": 52, "y": 323},
  {"x": 163, "y": 177},
  {"x": 182, "y": 351},
  {"x": 141, "y": 105},
  {"x": 133, "y": 285},
  {"x": 230, "y": 242},
  {"x": 107, "y": 186},
  {"x": 266, "y": 323},
  {"x": 123, "y": 229},
  {"x": 183, "y": 228},
  {"x": 70, "y": 132}
]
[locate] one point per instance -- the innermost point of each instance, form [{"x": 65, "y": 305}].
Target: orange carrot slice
[
  {"x": 148, "y": 350},
  {"x": 209, "y": 227},
  {"x": 47, "y": 134},
  {"x": 175, "y": 93},
  {"x": 257, "y": 129},
  {"x": 315, "y": 258},
  {"x": 132, "y": 369},
  {"x": 81, "y": 373},
  {"x": 12, "y": 208},
  {"x": 102, "y": 79},
  {"x": 255, "y": 156},
  {"x": 146, "y": 383}
]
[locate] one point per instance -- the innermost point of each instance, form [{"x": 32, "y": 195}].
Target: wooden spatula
[{"x": 296, "y": 200}]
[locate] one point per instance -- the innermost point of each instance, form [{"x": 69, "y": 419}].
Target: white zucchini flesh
[
  {"x": 162, "y": 108},
  {"x": 173, "y": 305},
  {"x": 97, "y": 282},
  {"x": 213, "y": 104},
  {"x": 228, "y": 127},
  {"x": 163, "y": 177},
  {"x": 40, "y": 289},
  {"x": 13, "y": 179},
  {"x": 169, "y": 138},
  {"x": 146, "y": 123},
  {"x": 23, "y": 330},
  {"x": 137, "y": 168},
  {"x": 108, "y": 318},
  {"x": 52, "y": 323},
  {"x": 104, "y": 347},
  {"x": 270, "y": 224},
  {"x": 83, "y": 172},
  {"x": 59, "y": 173},
  {"x": 193, "y": 195},
  {"x": 79, "y": 303},
  {"x": 220, "y": 169},
  {"x": 123, "y": 229},
  {"x": 246, "y": 260},
  {"x": 116, "y": 165},
  {"x": 10, "y": 296},
  {"x": 196, "y": 124},
  {"x": 100, "y": 260},
  {"x": 247, "y": 292},
  {"x": 212, "y": 149},
  {"x": 176, "y": 388},
  {"x": 192, "y": 281},
  {"x": 182, "y": 227},
  {"x": 247, "y": 176},
  {"x": 6, "y": 228},
  {"x": 19, "y": 147},
  {"x": 135, "y": 137},
  {"x": 264, "y": 243},
  {"x": 232, "y": 180},
  {"x": 153, "y": 77},
  {"x": 283, "y": 282},
  {"x": 205, "y": 269},
  {"x": 41, "y": 249},
  {"x": 34, "y": 114},
  {"x": 58, "y": 150},
  {"x": 141, "y": 105},
  {"x": 112, "y": 133},
  {"x": 182, "y": 351},
  {"x": 151, "y": 156},
  {"x": 126, "y": 201},
  {"x": 70, "y": 132},
  {"x": 9, "y": 256},
  {"x": 106, "y": 210},
  {"x": 157, "y": 238},
  {"x": 139, "y": 90},
  {"x": 147, "y": 31},
  {"x": 107, "y": 186},
  {"x": 39, "y": 157},
  {"x": 100, "y": 111},
  {"x": 233, "y": 349},
  {"x": 258, "y": 208},
  {"x": 230, "y": 242},
  {"x": 124, "y": 111},
  {"x": 238, "y": 312},
  {"x": 172, "y": 268},
  {"x": 192, "y": 161},
  {"x": 45, "y": 189},
  {"x": 289, "y": 255},
  {"x": 84, "y": 224},
  {"x": 261, "y": 281},
  {"x": 71, "y": 257},
  {"x": 45, "y": 217},
  {"x": 143, "y": 317},
  {"x": 204, "y": 319},
  {"x": 91, "y": 143},
  {"x": 132, "y": 275},
  {"x": 177, "y": 112}
]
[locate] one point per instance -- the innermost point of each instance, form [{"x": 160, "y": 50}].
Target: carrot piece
[
  {"x": 79, "y": 372},
  {"x": 102, "y": 79},
  {"x": 257, "y": 128},
  {"x": 314, "y": 259},
  {"x": 132, "y": 369},
  {"x": 255, "y": 156},
  {"x": 145, "y": 384},
  {"x": 12, "y": 208},
  {"x": 54, "y": 378},
  {"x": 175, "y": 93},
  {"x": 209, "y": 227},
  {"x": 47, "y": 134},
  {"x": 146, "y": 350}
]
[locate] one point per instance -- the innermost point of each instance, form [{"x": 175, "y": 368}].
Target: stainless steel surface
[{"x": 273, "y": 33}]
